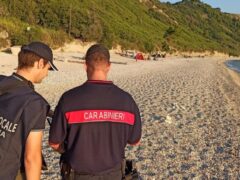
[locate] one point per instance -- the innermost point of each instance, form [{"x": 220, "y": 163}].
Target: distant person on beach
[
  {"x": 94, "y": 122},
  {"x": 23, "y": 113}
]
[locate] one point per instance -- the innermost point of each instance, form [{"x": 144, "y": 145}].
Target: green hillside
[{"x": 146, "y": 25}]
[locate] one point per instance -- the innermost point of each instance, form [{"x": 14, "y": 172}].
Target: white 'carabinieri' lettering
[{"x": 95, "y": 115}]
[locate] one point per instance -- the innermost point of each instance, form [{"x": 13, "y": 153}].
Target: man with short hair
[
  {"x": 23, "y": 113},
  {"x": 94, "y": 122}
]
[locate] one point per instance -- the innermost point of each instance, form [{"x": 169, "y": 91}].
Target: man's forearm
[
  {"x": 33, "y": 168},
  {"x": 33, "y": 155}
]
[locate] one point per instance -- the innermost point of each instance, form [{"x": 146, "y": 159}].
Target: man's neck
[
  {"x": 97, "y": 77},
  {"x": 26, "y": 74}
]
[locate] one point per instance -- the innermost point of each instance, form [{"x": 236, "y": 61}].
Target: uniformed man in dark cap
[
  {"x": 95, "y": 122},
  {"x": 23, "y": 113}
]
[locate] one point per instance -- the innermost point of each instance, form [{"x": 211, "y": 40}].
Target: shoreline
[{"x": 235, "y": 75}]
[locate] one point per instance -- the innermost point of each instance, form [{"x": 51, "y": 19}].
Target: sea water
[{"x": 234, "y": 65}]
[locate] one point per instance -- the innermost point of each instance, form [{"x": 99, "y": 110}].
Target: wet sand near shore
[{"x": 190, "y": 112}]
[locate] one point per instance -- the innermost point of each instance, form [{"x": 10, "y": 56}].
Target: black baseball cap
[{"x": 42, "y": 50}]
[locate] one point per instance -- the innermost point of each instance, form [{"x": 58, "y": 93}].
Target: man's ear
[
  {"x": 40, "y": 64},
  {"x": 108, "y": 67},
  {"x": 85, "y": 66},
  {"x": 37, "y": 64}
]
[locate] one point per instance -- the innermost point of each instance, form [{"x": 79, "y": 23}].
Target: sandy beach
[{"x": 190, "y": 111}]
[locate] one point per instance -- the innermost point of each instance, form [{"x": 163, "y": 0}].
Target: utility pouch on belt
[
  {"x": 129, "y": 170},
  {"x": 65, "y": 170}
]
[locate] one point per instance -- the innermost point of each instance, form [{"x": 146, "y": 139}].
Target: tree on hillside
[
  {"x": 94, "y": 30},
  {"x": 170, "y": 31}
]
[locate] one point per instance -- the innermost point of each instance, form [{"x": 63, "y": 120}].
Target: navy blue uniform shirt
[
  {"x": 22, "y": 110},
  {"x": 95, "y": 120}
]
